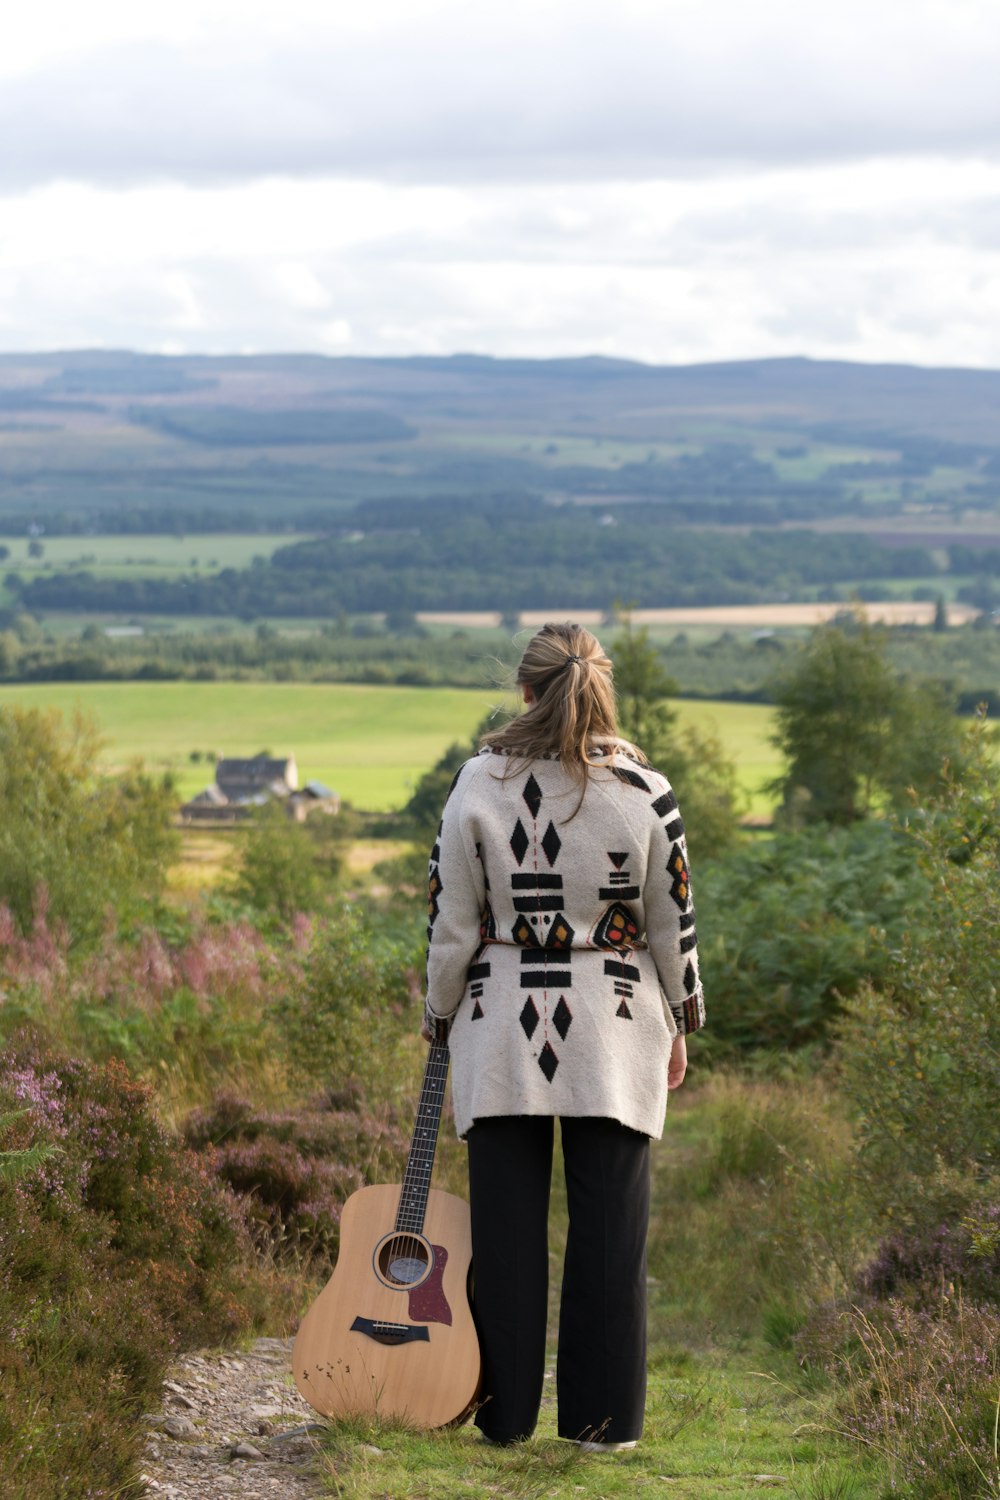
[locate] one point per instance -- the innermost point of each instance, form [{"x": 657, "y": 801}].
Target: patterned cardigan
[{"x": 562, "y": 948}]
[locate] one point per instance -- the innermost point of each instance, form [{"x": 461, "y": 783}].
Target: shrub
[
  {"x": 702, "y": 774},
  {"x": 920, "y": 1387},
  {"x": 59, "y": 819},
  {"x": 293, "y": 1170},
  {"x": 188, "y": 1012},
  {"x": 791, "y": 927},
  {"x": 285, "y": 867},
  {"x": 918, "y": 1354},
  {"x": 356, "y": 1011},
  {"x": 115, "y": 1250},
  {"x": 121, "y": 1182},
  {"x": 919, "y": 1264},
  {"x": 918, "y": 1054}
]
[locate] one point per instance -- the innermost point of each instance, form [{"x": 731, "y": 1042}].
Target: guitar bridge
[{"x": 390, "y": 1333}]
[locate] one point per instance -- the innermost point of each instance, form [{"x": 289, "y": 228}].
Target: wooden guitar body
[
  {"x": 373, "y": 1343},
  {"x": 391, "y": 1334}
]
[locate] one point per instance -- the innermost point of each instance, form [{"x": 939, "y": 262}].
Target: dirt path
[
  {"x": 233, "y": 1425},
  {"x": 726, "y": 616}
]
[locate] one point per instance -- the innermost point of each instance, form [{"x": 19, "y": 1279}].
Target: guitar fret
[{"x": 420, "y": 1163}]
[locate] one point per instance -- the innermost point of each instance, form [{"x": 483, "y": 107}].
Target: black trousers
[{"x": 601, "y": 1367}]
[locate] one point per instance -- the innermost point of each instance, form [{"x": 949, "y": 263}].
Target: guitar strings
[{"x": 406, "y": 1245}]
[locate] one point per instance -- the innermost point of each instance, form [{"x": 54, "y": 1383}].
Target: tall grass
[{"x": 755, "y": 1219}]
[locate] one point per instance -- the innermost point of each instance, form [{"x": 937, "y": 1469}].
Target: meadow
[
  {"x": 371, "y": 744},
  {"x": 136, "y": 556}
]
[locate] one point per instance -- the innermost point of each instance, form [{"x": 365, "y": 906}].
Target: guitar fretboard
[{"x": 420, "y": 1165}]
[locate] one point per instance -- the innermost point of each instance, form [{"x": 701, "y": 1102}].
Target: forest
[{"x": 499, "y": 554}]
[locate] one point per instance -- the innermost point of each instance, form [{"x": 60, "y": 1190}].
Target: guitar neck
[{"x": 420, "y": 1164}]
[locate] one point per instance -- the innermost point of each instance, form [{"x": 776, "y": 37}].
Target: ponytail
[{"x": 573, "y": 714}]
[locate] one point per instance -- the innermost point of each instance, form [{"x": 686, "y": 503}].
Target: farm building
[{"x": 242, "y": 786}]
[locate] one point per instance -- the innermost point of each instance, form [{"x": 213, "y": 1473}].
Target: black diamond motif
[
  {"x": 562, "y": 1017},
  {"x": 560, "y": 933},
  {"x": 529, "y": 1017},
  {"x": 519, "y": 841},
  {"x": 524, "y": 934},
  {"x": 680, "y": 889},
  {"x": 533, "y": 796},
  {"x": 435, "y": 886},
  {"x": 618, "y": 928},
  {"x": 551, "y": 843},
  {"x": 548, "y": 1062},
  {"x": 624, "y": 1012},
  {"x": 477, "y": 1012},
  {"x": 690, "y": 981}
]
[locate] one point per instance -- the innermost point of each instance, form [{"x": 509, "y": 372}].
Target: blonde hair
[{"x": 574, "y": 714}]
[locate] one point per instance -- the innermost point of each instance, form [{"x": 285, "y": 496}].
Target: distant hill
[
  {"x": 614, "y": 396},
  {"x": 451, "y": 482}
]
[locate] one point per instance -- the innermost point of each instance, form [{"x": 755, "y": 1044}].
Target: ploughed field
[{"x": 370, "y": 743}]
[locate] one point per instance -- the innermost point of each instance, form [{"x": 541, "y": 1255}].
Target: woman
[{"x": 562, "y": 950}]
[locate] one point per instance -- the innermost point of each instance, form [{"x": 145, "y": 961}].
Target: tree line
[{"x": 482, "y": 556}]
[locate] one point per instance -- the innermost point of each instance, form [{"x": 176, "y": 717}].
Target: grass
[
  {"x": 726, "y": 1415},
  {"x": 714, "y": 1427},
  {"x": 744, "y": 729},
  {"x": 144, "y": 556},
  {"x": 370, "y": 743},
  {"x": 208, "y": 857}
]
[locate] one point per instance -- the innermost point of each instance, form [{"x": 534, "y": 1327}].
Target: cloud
[
  {"x": 881, "y": 261},
  {"x": 550, "y": 92},
  {"x": 664, "y": 179}
]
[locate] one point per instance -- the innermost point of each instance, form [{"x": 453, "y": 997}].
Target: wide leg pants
[{"x": 601, "y": 1367}]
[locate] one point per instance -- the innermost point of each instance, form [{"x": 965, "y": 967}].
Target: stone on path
[{"x": 233, "y": 1402}]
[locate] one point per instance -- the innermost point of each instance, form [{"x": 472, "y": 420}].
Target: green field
[
  {"x": 370, "y": 743},
  {"x": 128, "y": 556}
]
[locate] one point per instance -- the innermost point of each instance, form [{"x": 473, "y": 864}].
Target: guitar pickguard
[{"x": 428, "y": 1303}]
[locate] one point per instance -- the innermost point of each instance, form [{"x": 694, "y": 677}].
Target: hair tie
[{"x": 573, "y": 658}]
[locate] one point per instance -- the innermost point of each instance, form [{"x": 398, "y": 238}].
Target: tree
[
  {"x": 643, "y": 686},
  {"x": 855, "y": 734},
  {"x": 702, "y": 774},
  {"x": 75, "y": 845},
  {"x": 422, "y": 813}
]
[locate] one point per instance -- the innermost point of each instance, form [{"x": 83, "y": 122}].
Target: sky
[{"x": 677, "y": 181}]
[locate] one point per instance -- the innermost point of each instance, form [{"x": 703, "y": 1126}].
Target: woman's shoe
[{"x": 606, "y": 1447}]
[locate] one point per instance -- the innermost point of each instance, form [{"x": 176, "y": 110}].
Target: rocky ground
[{"x": 233, "y": 1425}]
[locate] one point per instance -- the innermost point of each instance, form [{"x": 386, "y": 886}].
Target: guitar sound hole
[{"x": 403, "y": 1260}]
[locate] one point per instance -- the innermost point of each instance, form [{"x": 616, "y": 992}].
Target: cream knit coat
[{"x": 562, "y": 948}]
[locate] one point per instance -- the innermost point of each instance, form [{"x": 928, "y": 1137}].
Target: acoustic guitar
[{"x": 391, "y": 1333}]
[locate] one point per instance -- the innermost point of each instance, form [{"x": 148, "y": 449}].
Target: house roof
[
  {"x": 317, "y": 789},
  {"x": 211, "y": 794},
  {"x": 259, "y": 771}
]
